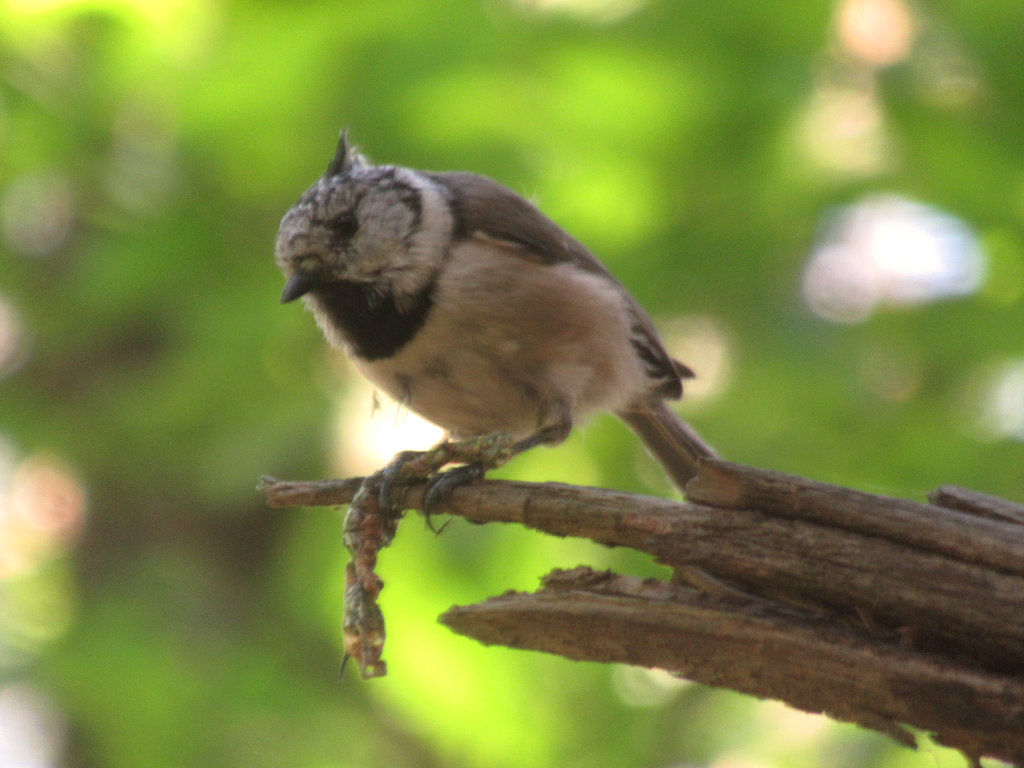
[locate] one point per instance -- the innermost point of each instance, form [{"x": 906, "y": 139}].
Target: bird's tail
[{"x": 673, "y": 442}]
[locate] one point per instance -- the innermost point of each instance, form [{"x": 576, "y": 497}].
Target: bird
[{"x": 467, "y": 305}]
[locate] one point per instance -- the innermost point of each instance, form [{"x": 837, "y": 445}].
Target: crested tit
[{"x": 465, "y": 303}]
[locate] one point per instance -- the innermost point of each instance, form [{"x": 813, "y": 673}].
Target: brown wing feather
[{"x": 485, "y": 209}]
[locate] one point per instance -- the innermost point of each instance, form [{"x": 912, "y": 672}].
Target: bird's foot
[
  {"x": 473, "y": 456},
  {"x": 373, "y": 517}
]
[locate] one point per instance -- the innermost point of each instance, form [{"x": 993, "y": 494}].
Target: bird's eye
[{"x": 345, "y": 226}]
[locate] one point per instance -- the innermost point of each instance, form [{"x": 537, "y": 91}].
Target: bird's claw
[
  {"x": 395, "y": 478},
  {"x": 441, "y": 487}
]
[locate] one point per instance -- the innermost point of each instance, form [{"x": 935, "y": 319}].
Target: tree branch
[
  {"x": 876, "y": 610},
  {"x": 811, "y": 661}
]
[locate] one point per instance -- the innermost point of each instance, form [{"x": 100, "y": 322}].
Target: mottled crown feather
[{"x": 346, "y": 157}]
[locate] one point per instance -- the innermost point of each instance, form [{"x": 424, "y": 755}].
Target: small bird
[{"x": 470, "y": 307}]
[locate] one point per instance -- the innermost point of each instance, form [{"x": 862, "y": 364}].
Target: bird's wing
[{"x": 486, "y": 210}]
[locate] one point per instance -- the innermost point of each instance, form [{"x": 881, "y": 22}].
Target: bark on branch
[{"x": 875, "y": 610}]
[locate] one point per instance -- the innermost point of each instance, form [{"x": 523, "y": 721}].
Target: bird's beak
[{"x": 298, "y": 285}]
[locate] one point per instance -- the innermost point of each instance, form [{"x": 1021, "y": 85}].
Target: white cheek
[{"x": 429, "y": 244}]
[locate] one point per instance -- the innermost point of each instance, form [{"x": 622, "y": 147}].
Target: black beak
[{"x": 298, "y": 285}]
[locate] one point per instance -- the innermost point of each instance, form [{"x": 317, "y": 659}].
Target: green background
[{"x": 153, "y": 611}]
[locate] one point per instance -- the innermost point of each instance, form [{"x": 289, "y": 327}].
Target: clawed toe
[
  {"x": 441, "y": 487},
  {"x": 475, "y": 456},
  {"x": 393, "y": 481}
]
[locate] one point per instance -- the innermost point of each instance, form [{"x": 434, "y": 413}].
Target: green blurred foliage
[{"x": 147, "y": 152}]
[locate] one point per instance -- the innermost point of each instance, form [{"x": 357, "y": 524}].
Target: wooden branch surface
[
  {"x": 876, "y": 610},
  {"x": 810, "y": 661}
]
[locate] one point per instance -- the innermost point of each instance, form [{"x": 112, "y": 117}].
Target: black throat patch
[{"x": 371, "y": 321}]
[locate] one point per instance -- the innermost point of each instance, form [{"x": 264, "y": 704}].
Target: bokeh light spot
[
  {"x": 644, "y": 688},
  {"x": 843, "y": 129},
  {"x": 371, "y": 428},
  {"x": 889, "y": 251},
  {"x": 878, "y": 32},
  {"x": 31, "y": 729},
  {"x": 702, "y": 343},
  {"x": 999, "y": 411},
  {"x": 42, "y": 511}
]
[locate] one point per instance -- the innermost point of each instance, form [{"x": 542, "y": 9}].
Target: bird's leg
[
  {"x": 479, "y": 454},
  {"x": 475, "y": 455},
  {"x": 372, "y": 521}
]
